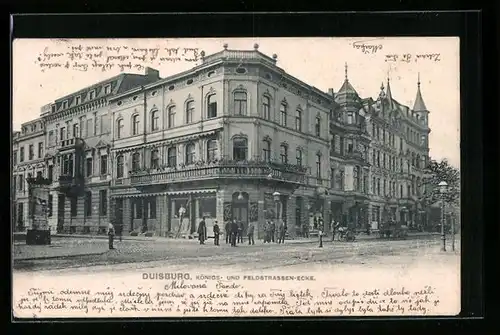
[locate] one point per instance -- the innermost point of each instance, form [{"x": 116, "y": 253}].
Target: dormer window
[
  {"x": 107, "y": 89},
  {"x": 92, "y": 95},
  {"x": 78, "y": 100},
  {"x": 65, "y": 104}
]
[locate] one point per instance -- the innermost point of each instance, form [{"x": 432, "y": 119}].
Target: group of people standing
[
  {"x": 273, "y": 233},
  {"x": 234, "y": 231}
]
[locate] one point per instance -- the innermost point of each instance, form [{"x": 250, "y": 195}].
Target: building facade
[
  {"x": 235, "y": 137},
  {"x": 28, "y": 162}
]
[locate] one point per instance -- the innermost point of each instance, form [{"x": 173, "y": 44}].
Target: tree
[{"x": 436, "y": 172}]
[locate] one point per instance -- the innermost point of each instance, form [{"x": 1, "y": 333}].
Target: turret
[{"x": 419, "y": 107}]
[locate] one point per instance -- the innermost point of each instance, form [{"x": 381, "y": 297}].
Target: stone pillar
[
  {"x": 291, "y": 220},
  {"x": 67, "y": 214},
  {"x": 220, "y": 208},
  {"x": 126, "y": 215},
  {"x": 259, "y": 230}
]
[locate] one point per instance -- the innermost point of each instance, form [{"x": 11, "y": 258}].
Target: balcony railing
[
  {"x": 223, "y": 169},
  {"x": 70, "y": 143}
]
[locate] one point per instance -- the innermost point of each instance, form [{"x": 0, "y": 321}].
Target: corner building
[{"x": 218, "y": 141}]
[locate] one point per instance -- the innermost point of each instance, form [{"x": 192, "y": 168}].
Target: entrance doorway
[
  {"x": 60, "y": 213},
  {"x": 240, "y": 208},
  {"x": 119, "y": 215}
]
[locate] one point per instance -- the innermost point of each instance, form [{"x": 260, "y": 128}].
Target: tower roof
[
  {"x": 419, "y": 105},
  {"x": 388, "y": 95},
  {"x": 346, "y": 86}
]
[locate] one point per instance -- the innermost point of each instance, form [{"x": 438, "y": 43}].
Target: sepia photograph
[{"x": 249, "y": 177}]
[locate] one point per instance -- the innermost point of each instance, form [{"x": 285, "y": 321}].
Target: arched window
[
  {"x": 240, "y": 148},
  {"x": 136, "y": 161},
  {"x": 317, "y": 126},
  {"x": 155, "y": 120},
  {"x": 284, "y": 153},
  {"x": 240, "y": 103},
  {"x": 298, "y": 156},
  {"x": 172, "y": 157},
  {"x": 135, "y": 125},
  {"x": 283, "y": 114},
  {"x": 266, "y": 107},
  {"x": 211, "y": 150},
  {"x": 190, "y": 154},
  {"x": 119, "y": 166},
  {"x": 266, "y": 150},
  {"x": 155, "y": 159},
  {"x": 189, "y": 111},
  {"x": 298, "y": 120},
  {"x": 212, "y": 106},
  {"x": 318, "y": 165},
  {"x": 171, "y": 117},
  {"x": 119, "y": 128}
]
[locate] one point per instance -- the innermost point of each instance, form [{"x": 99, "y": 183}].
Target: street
[{"x": 189, "y": 254}]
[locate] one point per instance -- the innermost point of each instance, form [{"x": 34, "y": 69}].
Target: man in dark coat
[
  {"x": 273, "y": 230},
  {"x": 202, "y": 231},
  {"x": 227, "y": 231},
  {"x": 216, "y": 233},
  {"x": 250, "y": 230},
  {"x": 240, "y": 232},
  {"x": 282, "y": 232},
  {"x": 234, "y": 233},
  {"x": 111, "y": 236}
]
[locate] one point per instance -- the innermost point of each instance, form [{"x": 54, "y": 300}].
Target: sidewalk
[{"x": 56, "y": 250}]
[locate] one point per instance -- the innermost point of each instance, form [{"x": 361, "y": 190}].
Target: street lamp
[{"x": 443, "y": 188}]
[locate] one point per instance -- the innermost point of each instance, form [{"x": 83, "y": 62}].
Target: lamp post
[{"x": 443, "y": 186}]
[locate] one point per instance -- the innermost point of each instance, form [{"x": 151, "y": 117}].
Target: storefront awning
[
  {"x": 207, "y": 190},
  {"x": 138, "y": 195}
]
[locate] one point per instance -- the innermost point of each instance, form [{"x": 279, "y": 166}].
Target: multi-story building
[
  {"x": 235, "y": 137},
  {"x": 77, "y": 129},
  {"x": 382, "y": 147},
  {"x": 218, "y": 141},
  {"x": 28, "y": 162}
]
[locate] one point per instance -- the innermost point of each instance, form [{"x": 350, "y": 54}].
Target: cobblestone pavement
[{"x": 187, "y": 254}]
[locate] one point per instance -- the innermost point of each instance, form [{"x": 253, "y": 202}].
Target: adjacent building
[{"x": 235, "y": 137}]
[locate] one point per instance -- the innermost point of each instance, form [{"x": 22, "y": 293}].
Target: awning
[
  {"x": 137, "y": 195},
  {"x": 183, "y": 192}
]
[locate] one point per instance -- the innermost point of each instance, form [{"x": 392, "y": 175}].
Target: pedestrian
[
  {"x": 216, "y": 233},
  {"x": 273, "y": 230},
  {"x": 266, "y": 229},
  {"x": 250, "y": 234},
  {"x": 227, "y": 231},
  {"x": 202, "y": 231},
  {"x": 335, "y": 227},
  {"x": 111, "y": 235},
  {"x": 234, "y": 233},
  {"x": 240, "y": 232},
  {"x": 282, "y": 232}
]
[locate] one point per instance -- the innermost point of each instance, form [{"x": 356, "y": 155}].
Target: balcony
[
  {"x": 70, "y": 143},
  {"x": 68, "y": 182},
  {"x": 221, "y": 169}
]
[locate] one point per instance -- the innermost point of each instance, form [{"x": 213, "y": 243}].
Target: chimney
[
  {"x": 150, "y": 72},
  {"x": 331, "y": 92}
]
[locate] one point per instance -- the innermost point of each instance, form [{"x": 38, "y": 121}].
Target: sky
[{"x": 319, "y": 62}]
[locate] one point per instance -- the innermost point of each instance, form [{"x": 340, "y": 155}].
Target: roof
[{"x": 419, "y": 105}]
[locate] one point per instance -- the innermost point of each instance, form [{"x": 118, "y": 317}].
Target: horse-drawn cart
[{"x": 393, "y": 229}]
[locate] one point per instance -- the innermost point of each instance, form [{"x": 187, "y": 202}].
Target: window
[
  {"x": 378, "y": 186},
  {"x": 119, "y": 128},
  {"x": 135, "y": 125},
  {"x": 31, "y": 152},
  {"x": 384, "y": 160},
  {"x": 190, "y": 151},
  {"x": 284, "y": 153},
  {"x": 75, "y": 130},
  {"x": 150, "y": 211},
  {"x": 336, "y": 139},
  {"x": 138, "y": 208},
  {"x": 21, "y": 183},
  {"x": 155, "y": 159},
  {"x": 119, "y": 166},
  {"x": 104, "y": 165},
  {"x": 90, "y": 127},
  {"x": 107, "y": 89},
  {"x": 365, "y": 184},
  {"x": 374, "y": 157},
  {"x": 373, "y": 129},
  {"x": 385, "y": 187},
  {"x": 266, "y": 150},
  {"x": 298, "y": 120},
  {"x": 283, "y": 115},
  {"x": 400, "y": 191},
  {"x": 92, "y": 95},
  {"x": 62, "y": 134},
  {"x": 88, "y": 166},
  {"x": 317, "y": 127},
  {"x": 172, "y": 157},
  {"x": 350, "y": 118},
  {"x": 88, "y": 203},
  {"x": 356, "y": 178},
  {"x": 240, "y": 148},
  {"x": 136, "y": 161},
  {"x": 332, "y": 178},
  {"x": 65, "y": 104},
  {"x": 350, "y": 146},
  {"x": 49, "y": 205},
  {"x": 240, "y": 103},
  {"x": 212, "y": 106},
  {"x": 78, "y": 100},
  {"x": 155, "y": 118},
  {"x": 51, "y": 138},
  {"x": 74, "y": 204},
  {"x": 39, "y": 174},
  {"x": 298, "y": 156},
  {"x": 211, "y": 150},
  {"x": 378, "y": 158},
  {"x": 103, "y": 202},
  {"x": 14, "y": 157},
  {"x": 266, "y": 108},
  {"x": 190, "y": 112},
  {"x": 374, "y": 185},
  {"x": 171, "y": 117},
  {"x": 378, "y": 133},
  {"x": 318, "y": 165},
  {"x": 40, "y": 150},
  {"x": 50, "y": 172}
]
